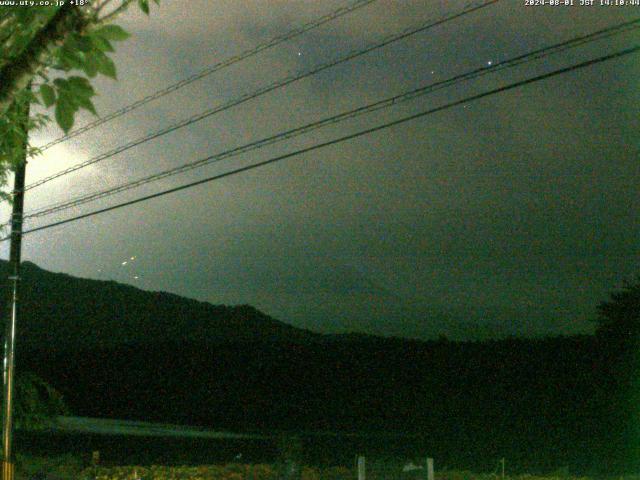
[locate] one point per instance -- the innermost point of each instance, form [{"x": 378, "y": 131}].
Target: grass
[{"x": 70, "y": 467}]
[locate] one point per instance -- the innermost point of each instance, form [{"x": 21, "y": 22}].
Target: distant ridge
[
  {"x": 66, "y": 311},
  {"x": 117, "y": 352}
]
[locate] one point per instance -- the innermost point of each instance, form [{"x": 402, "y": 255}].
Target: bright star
[{"x": 489, "y": 63}]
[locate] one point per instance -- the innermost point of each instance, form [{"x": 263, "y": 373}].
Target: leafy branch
[{"x": 63, "y": 47}]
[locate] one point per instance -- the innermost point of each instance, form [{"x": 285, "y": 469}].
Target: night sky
[{"x": 515, "y": 214}]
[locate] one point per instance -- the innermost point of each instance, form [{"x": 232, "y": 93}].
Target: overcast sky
[{"x": 514, "y": 214}]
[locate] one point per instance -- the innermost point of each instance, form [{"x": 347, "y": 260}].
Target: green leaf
[
  {"x": 81, "y": 43},
  {"x": 65, "y": 67},
  {"x": 90, "y": 64},
  {"x": 48, "y": 95},
  {"x": 112, "y": 32},
  {"x": 64, "y": 113},
  {"x": 87, "y": 104},
  {"x": 106, "y": 66},
  {"x": 102, "y": 44},
  {"x": 61, "y": 84},
  {"x": 71, "y": 57},
  {"x": 33, "y": 151},
  {"x": 80, "y": 87},
  {"x": 37, "y": 121},
  {"x": 31, "y": 97},
  {"x": 144, "y": 6}
]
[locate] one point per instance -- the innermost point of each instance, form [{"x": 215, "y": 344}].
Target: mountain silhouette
[
  {"x": 115, "y": 351},
  {"x": 69, "y": 312}
]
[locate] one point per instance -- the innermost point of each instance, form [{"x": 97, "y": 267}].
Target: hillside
[
  {"x": 115, "y": 351},
  {"x": 64, "y": 311}
]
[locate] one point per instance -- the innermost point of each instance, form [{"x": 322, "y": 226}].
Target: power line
[
  {"x": 212, "y": 69},
  {"x": 385, "y": 103},
  {"x": 262, "y": 91},
  {"x": 360, "y": 133}
]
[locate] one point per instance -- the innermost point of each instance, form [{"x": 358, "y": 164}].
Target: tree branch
[
  {"x": 116, "y": 11},
  {"x": 101, "y": 6},
  {"x": 16, "y": 75}
]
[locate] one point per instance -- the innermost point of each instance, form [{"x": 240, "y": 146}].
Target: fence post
[
  {"x": 430, "y": 475},
  {"x": 290, "y": 467},
  {"x": 361, "y": 468},
  {"x": 95, "y": 460}
]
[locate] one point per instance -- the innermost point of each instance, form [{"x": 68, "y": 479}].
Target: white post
[
  {"x": 430, "y": 475},
  {"x": 361, "y": 468}
]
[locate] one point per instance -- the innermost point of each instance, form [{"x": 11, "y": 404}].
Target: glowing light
[
  {"x": 124, "y": 263},
  {"x": 490, "y": 62}
]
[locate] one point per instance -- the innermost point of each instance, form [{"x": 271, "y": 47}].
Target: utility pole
[{"x": 20, "y": 166}]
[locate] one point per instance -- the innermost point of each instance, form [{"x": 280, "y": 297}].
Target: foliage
[
  {"x": 47, "y": 56},
  {"x": 213, "y": 472},
  {"x": 37, "y": 402},
  {"x": 53, "y": 51},
  {"x": 59, "y": 467},
  {"x": 268, "y": 472},
  {"x": 619, "y": 318},
  {"x": 618, "y": 334},
  {"x": 12, "y": 134},
  {"x": 203, "y": 472}
]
